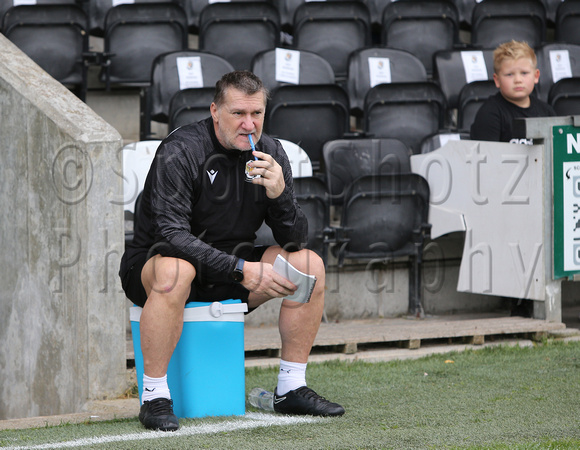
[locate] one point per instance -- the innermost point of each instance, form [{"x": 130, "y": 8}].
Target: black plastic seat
[
  {"x": 471, "y": 97},
  {"x": 312, "y": 68},
  {"x": 565, "y": 97},
  {"x": 405, "y": 111},
  {"x": 237, "y": 31},
  {"x": 567, "y": 26},
  {"x": 560, "y": 54},
  {"x": 333, "y": 30},
  {"x": 167, "y": 78},
  {"x": 346, "y": 160},
  {"x": 450, "y": 73},
  {"x": 385, "y": 217},
  {"x": 308, "y": 115},
  {"x": 135, "y": 34},
  {"x": 189, "y": 105},
  {"x": 497, "y": 21},
  {"x": 421, "y": 27},
  {"x": 97, "y": 11},
  {"x": 55, "y": 37},
  {"x": 403, "y": 67}
]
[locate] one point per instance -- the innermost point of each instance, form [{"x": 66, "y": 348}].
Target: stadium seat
[
  {"x": 496, "y": 21},
  {"x": 453, "y": 69},
  {"x": 135, "y": 34},
  {"x": 471, "y": 97},
  {"x": 188, "y": 106},
  {"x": 556, "y": 60},
  {"x": 308, "y": 115},
  {"x": 174, "y": 71},
  {"x": 405, "y": 111},
  {"x": 565, "y": 97},
  {"x": 275, "y": 67},
  {"x": 385, "y": 217},
  {"x": 333, "y": 30},
  {"x": 346, "y": 160},
  {"x": 55, "y": 37},
  {"x": 567, "y": 28},
  {"x": 551, "y": 10},
  {"x": 439, "y": 139},
  {"x": 237, "y": 31},
  {"x": 388, "y": 65},
  {"x": 421, "y": 27},
  {"x": 97, "y": 11},
  {"x": 286, "y": 9}
]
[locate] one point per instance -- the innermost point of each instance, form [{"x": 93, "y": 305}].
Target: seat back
[
  {"x": 97, "y": 11},
  {"x": 421, "y": 27},
  {"x": 346, "y": 160},
  {"x": 471, "y": 97},
  {"x": 556, "y": 61},
  {"x": 405, "y": 111},
  {"x": 370, "y": 66},
  {"x": 237, "y": 31},
  {"x": 567, "y": 26},
  {"x": 308, "y": 115},
  {"x": 453, "y": 69},
  {"x": 174, "y": 71},
  {"x": 189, "y": 106},
  {"x": 135, "y": 34},
  {"x": 497, "y": 21},
  {"x": 55, "y": 37},
  {"x": 279, "y": 66},
  {"x": 565, "y": 97},
  {"x": 384, "y": 216},
  {"x": 333, "y": 30}
]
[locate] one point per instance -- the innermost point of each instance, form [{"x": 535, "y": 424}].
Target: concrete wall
[{"x": 62, "y": 321}]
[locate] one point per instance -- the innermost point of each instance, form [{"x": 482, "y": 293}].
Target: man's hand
[
  {"x": 261, "y": 279},
  {"x": 271, "y": 174}
]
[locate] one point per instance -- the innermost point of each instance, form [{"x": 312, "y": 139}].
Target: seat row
[
  {"x": 387, "y": 89},
  {"x": 333, "y": 29}
]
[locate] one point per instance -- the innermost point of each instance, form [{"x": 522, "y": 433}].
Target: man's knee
[{"x": 165, "y": 275}]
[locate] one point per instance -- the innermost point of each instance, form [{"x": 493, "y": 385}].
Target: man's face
[
  {"x": 516, "y": 80},
  {"x": 237, "y": 117}
]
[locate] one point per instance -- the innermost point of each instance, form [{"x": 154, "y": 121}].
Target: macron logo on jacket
[{"x": 212, "y": 174}]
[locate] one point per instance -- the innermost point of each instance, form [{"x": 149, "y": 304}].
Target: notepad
[{"x": 304, "y": 282}]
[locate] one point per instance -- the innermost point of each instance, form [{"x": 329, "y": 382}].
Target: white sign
[
  {"x": 189, "y": 72},
  {"x": 474, "y": 66},
  {"x": 23, "y": 2},
  {"x": 571, "y": 215},
  {"x": 379, "y": 70},
  {"x": 122, "y": 2},
  {"x": 287, "y": 66},
  {"x": 560, "y": 64}
]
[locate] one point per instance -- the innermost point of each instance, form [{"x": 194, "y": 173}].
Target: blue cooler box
[{"x": 206, "y": 374}]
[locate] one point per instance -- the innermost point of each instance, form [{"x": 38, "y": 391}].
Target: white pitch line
[{"x": 249, "y": 421}]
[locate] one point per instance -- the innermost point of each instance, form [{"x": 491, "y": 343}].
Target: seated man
[{"x": 205, "y": 197}]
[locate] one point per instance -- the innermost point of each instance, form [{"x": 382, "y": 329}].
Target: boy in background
[{"x": 515, "y": 75}]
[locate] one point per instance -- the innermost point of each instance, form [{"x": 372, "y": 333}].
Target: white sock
[
  {"x": 154, "y": 388},
  {"x": 292, "y": 375}
]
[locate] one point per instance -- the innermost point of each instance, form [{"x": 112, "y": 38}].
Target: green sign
[{"x": 566, "y": 213}]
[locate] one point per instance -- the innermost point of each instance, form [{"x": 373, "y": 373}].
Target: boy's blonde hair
[{"x": 512, "y": 50}]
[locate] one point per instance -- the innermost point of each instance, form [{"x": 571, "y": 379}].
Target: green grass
[{"x": 500, "y": 398}]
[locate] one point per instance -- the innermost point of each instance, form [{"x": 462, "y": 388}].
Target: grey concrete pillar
[{"x": 62, "y": 316}]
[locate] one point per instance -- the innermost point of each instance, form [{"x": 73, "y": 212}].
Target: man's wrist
[{"x": 237, "y": 274}]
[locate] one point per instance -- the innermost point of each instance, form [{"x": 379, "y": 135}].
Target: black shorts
[{"x": 200, "y": 292}]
